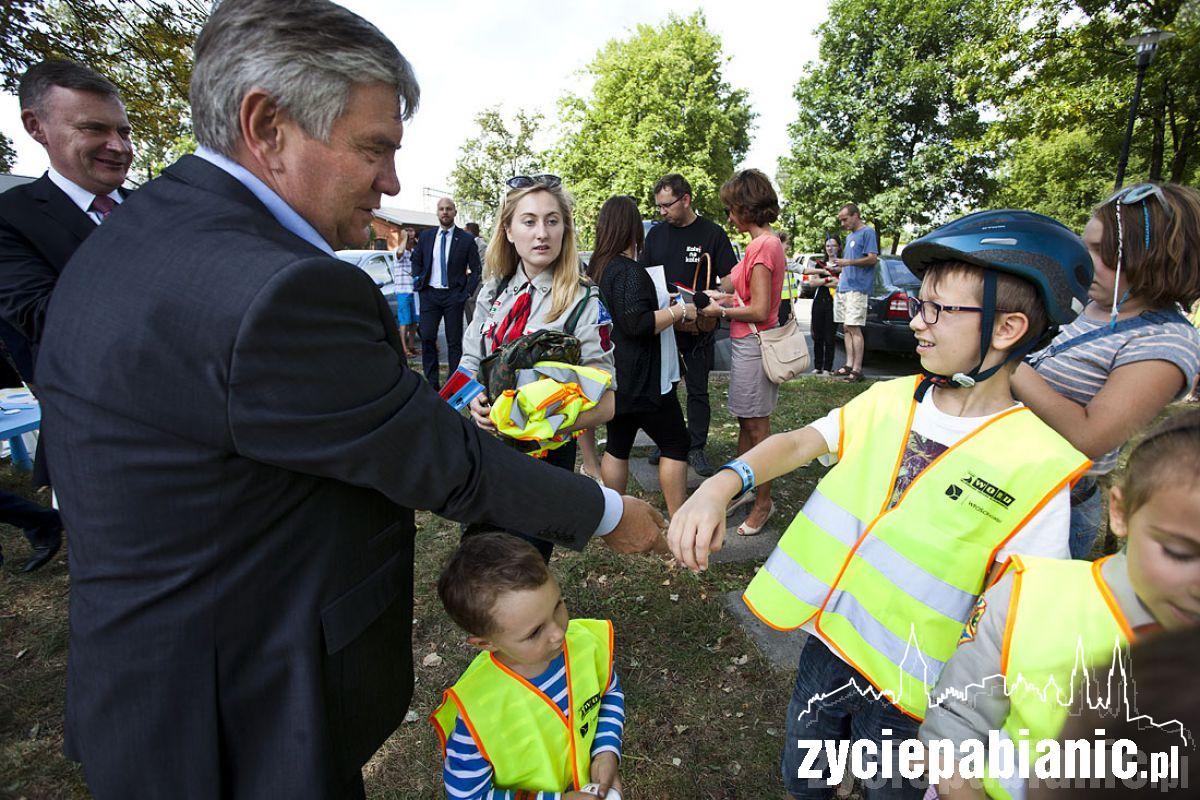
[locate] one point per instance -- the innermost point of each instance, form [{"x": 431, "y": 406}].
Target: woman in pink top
[{"x": 753, "y": 289}]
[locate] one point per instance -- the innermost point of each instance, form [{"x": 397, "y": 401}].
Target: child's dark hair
[
  {"x": 1013, "y": 294},
  {"x": 1168, "y": 270},
  {"x": 1166, "y": 456},
  {"x": 485, "y": 566}
]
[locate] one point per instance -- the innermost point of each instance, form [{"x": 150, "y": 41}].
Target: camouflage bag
[{"x": 499, "y": 371}]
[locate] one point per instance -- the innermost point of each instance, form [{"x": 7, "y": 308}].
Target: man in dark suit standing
[
  {"x": 446, "y": 271},
  {"x": 246, "y": 442},
  {"x": 78, "y": 117}
]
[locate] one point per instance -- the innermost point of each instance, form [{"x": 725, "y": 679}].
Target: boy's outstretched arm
[{"x": 698, "y": 527}]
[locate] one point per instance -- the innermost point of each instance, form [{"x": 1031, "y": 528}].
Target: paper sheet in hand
[{"x": 669, "y": 363}]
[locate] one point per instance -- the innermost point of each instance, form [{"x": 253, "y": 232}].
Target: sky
[{"x": 527, "y": 53}]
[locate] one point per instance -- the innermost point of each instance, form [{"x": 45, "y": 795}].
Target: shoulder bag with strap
[
  {"x": 784, "y": 348},
  {"x": 699, "y": 325}
]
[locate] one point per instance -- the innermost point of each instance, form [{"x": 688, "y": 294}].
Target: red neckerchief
[{"x": 512, "y": 327}]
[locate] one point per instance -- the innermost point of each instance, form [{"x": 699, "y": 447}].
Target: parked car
[
  {"x": 380, "y": 265},
  {"x": 887, "y": 308}
]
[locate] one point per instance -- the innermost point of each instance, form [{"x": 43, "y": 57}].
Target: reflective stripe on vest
[
  {"x": 880, "y": 584},
  {"x": 1062, "y": 620},
  {"x": 548, "y": 398},
  {"x": 522, "y": 733}
]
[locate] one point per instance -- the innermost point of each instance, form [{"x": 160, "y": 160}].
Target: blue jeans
[
  {"x": 1085, "y": 520},
  {"x": 846, "y": 715}
]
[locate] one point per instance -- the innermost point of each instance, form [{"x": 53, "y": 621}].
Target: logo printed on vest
[
  {"x": 988, "y": 490},
  {"x": 953, "y": 492},
  {"x": 587, "y": 707}
]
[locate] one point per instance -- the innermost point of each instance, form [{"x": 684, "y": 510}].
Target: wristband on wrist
[
  {"x": 722, "y": 312},
  {"x": 743, "y": 471}
]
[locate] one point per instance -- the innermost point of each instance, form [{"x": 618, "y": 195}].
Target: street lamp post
[{"x": 1146, "y": 44}]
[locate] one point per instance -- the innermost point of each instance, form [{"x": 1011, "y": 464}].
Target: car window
[
  {"x": 899, "y": 275},
  {"x": 377, "y": 268}
]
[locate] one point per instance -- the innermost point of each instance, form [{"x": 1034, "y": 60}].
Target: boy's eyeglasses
[
  {"x": 930, "y": 310},
  {"x": 525, "y": 181}
]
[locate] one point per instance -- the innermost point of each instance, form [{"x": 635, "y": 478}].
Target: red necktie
[
  {"x": 103, "y": 205},
  {"x": 513, "y": 325}
]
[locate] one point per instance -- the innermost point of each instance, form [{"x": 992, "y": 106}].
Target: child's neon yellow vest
[
  {"x": 520, "y": 731},
  {"x": 548, "y": 398},
  {"x": 890, "y": 589},
  {"x": 1062, "y": 618},
  {"x": 791, "y": 285}
]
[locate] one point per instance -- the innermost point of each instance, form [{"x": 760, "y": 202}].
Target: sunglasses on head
[{"x": 525, "y": 181}]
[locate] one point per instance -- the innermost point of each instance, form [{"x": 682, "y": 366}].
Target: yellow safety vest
[
  {"x": 791, "y": 285},
  {"x": 1062, "y": 619},
  {"x": 890, "y": 588},
  {"x": 522, "y": 733},
  {"x": 548, "y": 398}
]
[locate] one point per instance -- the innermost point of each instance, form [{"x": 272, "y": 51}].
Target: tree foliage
[
  {"x": 143, "y": 46},
  {"x": 659, "y": 103},
  {"x": 8, "y": 155},
  {"x": 494, "y": 155},
  {"x": 884, "y": 119}
]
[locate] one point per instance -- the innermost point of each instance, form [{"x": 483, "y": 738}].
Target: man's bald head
[{"x": 446, "y": 212}]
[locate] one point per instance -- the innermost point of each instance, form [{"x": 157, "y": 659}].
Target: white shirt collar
[{"x": 79, "y": 196}]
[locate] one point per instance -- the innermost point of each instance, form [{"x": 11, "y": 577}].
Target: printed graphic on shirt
[
  {"x": 919, "y": 453},
  {"x": 972, "y": 626},
  {"x": 604, "y": 323}
]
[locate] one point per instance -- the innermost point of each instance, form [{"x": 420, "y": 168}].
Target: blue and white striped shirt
[
  {"x": 468, "y": 775},
  {"x": 1080, "y": 372}
]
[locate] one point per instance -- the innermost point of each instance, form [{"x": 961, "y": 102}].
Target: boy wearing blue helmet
[{"x": 938, "y": 479}]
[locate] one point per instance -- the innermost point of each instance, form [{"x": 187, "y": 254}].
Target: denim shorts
[{"x": 825, "y": 706}]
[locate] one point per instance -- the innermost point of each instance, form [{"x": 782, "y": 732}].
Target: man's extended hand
[{"x": 640, "y": 529}]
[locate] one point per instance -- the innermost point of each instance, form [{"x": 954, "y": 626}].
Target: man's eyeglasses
[
  {"x": 930, "y": 311},
  {"x": 665, "y": 206},
  {"x": 525, "y": 181}
]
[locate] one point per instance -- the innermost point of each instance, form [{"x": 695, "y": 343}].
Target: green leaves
[
  {"x": 659, "y": 103},
  {"x": 494, "y": 155}
]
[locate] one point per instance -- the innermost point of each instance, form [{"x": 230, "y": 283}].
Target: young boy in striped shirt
[{"x": 539, "y": 714}]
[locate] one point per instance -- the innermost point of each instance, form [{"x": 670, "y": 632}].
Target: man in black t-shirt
[{"x": 677, "y": 246}]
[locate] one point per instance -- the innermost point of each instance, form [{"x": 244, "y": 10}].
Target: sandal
[
  {"x": 841, "y": 371},
  {"x": 746, "y": 530},
  {"x": 853, "y": 376}
]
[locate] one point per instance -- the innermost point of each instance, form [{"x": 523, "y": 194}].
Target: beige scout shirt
[
  {"x": 978, "y": 656},
  {"x": 491, "y": 310}
]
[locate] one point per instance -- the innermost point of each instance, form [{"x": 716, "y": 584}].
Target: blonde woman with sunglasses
[
  {"x": 1131, "y": 351},
  {"x": 532, "y": 282}
]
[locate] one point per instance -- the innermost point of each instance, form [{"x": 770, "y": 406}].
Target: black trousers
[
  {"x": 42, "y": 525},
  {"x": 563, "y": 458},
  {"x": 436, "y": 305},
  {"x": 697, "y": 352},
  {"x": 824, "y": 331}
]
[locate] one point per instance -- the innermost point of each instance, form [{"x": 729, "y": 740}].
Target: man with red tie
[{"x": 77, "y": 115}]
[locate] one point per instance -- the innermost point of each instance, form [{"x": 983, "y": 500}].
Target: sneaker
[
  {"x": 700, "y": 463},
  {"x": 655, "y": 455}
]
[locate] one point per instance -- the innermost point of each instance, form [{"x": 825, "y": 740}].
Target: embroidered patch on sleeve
[{"x": 972, "y": 626}]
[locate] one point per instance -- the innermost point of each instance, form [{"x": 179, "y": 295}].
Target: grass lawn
[{"x": 705, "y": 714}]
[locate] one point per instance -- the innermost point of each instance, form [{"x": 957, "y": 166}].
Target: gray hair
[
  {"x": 44, "y": 75},
  {"x": 307, "y": 54}
]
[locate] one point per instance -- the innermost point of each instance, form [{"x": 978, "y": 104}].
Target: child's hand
[
  {"x": 698, "y": 527},
  {"x": 480, "y": 409},
  {"x": 604, "y": 771}
]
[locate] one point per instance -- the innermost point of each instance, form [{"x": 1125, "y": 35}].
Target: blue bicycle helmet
[{"x": 1032, "y": 246}]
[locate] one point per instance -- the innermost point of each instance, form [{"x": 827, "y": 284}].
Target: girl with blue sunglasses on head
[{"x": 1131, "y": 351}]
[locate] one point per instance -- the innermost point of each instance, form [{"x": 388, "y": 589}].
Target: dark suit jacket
[
  {"x": 39, "y": 230},
  {"x": 462, "y": 261},
  {"x": 244, "y": 448}
]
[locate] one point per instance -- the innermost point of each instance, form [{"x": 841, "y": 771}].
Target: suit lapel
[{"x": 55, "y": 204}]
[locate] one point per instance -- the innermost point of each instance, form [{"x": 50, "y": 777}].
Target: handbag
[
  {"x": 700, "y": 324},
  {"x": 784, "y": 349}
]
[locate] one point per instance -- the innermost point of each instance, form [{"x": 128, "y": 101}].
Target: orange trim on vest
[
  {"x": 462, "y": 712},
  {"x": 612, "y": 657},
  {"x": 554, "y": 706},
  {"x": 841, "y": 431},
  {"x": 1010, "y": 620},
  {"x": 1113, "y": 606},
  {"x": 571, "y": 706},
  {"x": 1069, "y": 480}
]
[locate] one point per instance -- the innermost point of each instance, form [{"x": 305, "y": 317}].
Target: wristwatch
[{"x": 743, "y": 471}]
